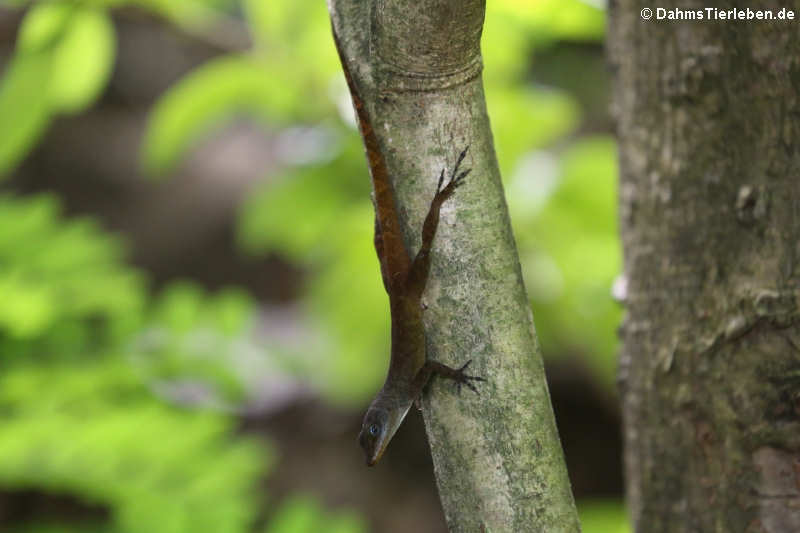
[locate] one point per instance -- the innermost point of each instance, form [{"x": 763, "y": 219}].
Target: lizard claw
[
  {"x": 439, "y": 185},
  {"x": 456, "y": 178},
  {"x": 460, "y": 158},
  {"x": 463, "y": 379}
]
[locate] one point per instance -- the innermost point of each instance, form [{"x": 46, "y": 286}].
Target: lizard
[{"x": 404, "y": 279}]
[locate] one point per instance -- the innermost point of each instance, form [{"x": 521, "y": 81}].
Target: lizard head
[{"x": 378, "y": 428}]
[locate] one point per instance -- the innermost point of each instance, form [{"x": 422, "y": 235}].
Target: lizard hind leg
[
  {"x": 458, "y": 375},
  {"x": 432, "y": 368}
]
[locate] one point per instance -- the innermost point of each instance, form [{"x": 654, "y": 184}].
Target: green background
[{"x": 89, "y": 341}]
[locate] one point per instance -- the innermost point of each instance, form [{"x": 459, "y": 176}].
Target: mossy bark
[
  {"x": 497, "y": 457},
  {"x": 709, "y": 123}
]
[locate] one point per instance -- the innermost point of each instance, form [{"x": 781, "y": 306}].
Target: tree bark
[
  {"x": 497, "y": 457},
  {"x": 709, "y": 123}
]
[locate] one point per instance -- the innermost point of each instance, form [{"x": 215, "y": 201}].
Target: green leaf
[
  {"x": 63, "y": 60},
  {"x": 270, "y": 219},
  {"x": 94, "y": 432},
  {"x": 55, "y": 272},
  {"x": 27, "y": 308},
  {"x": 44, "y": 25},
  {"x": 193, "y": 337},
  {"x": 262, "y": 19},
  {"x": 231, "y": 311},
  {"x": 303, "y": 514},
  {"x": 183, "y": 307},
  {"x": 293, "y": 62},
  {"x": 212, "y": 94},
  {"x": 24, "y": 106},
  {"x": 294, "y": 212},
  {"x": 298, "y": 515},
  {"x": 180, "y": 306},
  {"x": 83, "y": 60}
]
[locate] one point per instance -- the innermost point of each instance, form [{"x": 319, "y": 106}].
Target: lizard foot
[
  {"x": 461, "y": 378},
  {"x": 456, "y": 179}
]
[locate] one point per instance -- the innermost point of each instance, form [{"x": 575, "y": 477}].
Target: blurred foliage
[
  {"x": 564, "y": 213},
  {"x": 603, "y": 516},
  {"x": 53, "y": 291},
  {"x": 568, "y": 258},
  {"x": 63, "y": 59},
  {"x": 325, "y": 224},
  {"x": 192, "y": 338},
  {"x": 92, "y": 430},
  {"x": 342, "y": 263},
  {"x": 247, "y": 85},
  {"x": 75, "y": 419},
  {"x": 305, "y": 515},
  {"x": 82, "y": 47},
  {"x": 74, "y": 320}
]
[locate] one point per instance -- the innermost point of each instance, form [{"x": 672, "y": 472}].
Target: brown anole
[{"x": 404, "y": 280}]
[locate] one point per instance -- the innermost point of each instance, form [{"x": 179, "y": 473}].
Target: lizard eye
[{"x": 374, "y": 429}]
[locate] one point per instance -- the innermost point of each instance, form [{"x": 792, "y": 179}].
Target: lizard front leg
[
  {"x": 418, "y": 276},
  {"x": 418, "y": 273}
]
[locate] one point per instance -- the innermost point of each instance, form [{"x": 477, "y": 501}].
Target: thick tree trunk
[
  {"x": 497, "y": 457},
  {"x": 709, "y": 126}
]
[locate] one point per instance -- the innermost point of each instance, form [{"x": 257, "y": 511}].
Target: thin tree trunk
[
  {"x": 709, "y": 126},
  {"x": 497, "y": 457}
]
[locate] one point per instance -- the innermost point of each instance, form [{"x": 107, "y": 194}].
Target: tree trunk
[
  {"x": 710, "y": 216},
  {"x": 497, "y": 457}
]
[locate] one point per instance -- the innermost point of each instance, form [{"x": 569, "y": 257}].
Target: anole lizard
[{"x": 404, "y": 280}]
